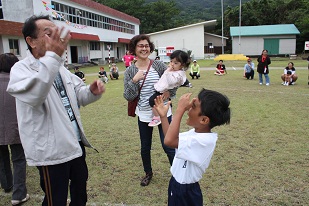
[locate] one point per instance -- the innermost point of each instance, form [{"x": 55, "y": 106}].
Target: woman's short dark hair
[
  {"x": 136, "y": 39},
  {"x": 182, "y": 57},
  {"x": 215, "y": 106},
  {"x": 30, "y": 27},
  {"x": 7, "y": 61}
]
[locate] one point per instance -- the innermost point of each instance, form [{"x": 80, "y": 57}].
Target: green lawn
[{"x": 261, "y": 158}]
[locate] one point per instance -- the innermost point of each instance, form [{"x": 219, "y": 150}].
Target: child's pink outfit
[{"x": 169, "y": 80}]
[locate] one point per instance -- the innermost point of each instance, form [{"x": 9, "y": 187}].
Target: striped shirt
[{"x": 143, "y": 110}]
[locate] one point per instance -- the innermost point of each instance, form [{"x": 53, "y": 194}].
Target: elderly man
[{"x": 47, "y": 99}]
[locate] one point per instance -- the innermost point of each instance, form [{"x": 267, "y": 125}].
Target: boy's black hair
[
  {"x": 30, "y": 27},
  {"x": 215, "y": 106},
  {"x": 182, "y": 57}
]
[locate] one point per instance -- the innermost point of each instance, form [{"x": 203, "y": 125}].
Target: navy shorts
[{"x": 184, "y": 194}]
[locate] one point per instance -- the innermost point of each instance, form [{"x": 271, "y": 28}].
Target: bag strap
[{"x": 150, "y": 63}]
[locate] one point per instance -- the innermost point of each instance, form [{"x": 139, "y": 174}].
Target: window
[
  {"x": 79, "y": 16},
  {"x": 14, "y": 46},
  {"x": 94, "y": 45}
]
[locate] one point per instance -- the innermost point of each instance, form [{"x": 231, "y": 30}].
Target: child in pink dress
[{"x": 174, "y": 76}]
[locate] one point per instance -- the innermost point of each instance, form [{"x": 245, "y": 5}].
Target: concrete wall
[
  {"x": 287, "y": 46},
  {"x": 216, "y": 41},
  {"x": 254, "y": 45},
  {"x": 191, "y": 38},
  {"x": 18, "y": 10}
]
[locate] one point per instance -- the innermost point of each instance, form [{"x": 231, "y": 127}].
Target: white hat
[{"x": 194, "y": 60}]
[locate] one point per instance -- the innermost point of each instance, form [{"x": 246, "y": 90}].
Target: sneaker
[
  {"x": 190, "y": 85},
  {"x": 146, "y": 180},
  {"x": 154, "y": 122},
  {"x": 261, "y": 83},
  {"x": 17, "y": 202},
  {"x": 292, "y": 83},
  {"x": 283, "y": 83},
  {"x": 267, "y": 84}
]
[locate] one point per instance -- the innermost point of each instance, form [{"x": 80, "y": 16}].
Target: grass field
[{"x": 261, "y": 158}]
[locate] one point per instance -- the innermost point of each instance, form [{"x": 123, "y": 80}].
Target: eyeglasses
[{"x": 143, "y": 46}]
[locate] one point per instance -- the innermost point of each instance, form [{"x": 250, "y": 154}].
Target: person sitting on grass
[
  {"x": 80, "y": 74},
  {"x": 195, "y": 70},
  {"x": 174, "y": 76},
  {"x": 195, "y": 147},
  {"x": 249, "y": 69},
  {"x": 220, "y": 69},
  {"x": 289, "y": 77},
  {"x": 114, "y": 72},
  {"x": 102, "y": 75}
]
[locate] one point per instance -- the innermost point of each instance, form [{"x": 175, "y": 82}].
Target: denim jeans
[
  {"x": 145, "y": 133},
  {"x": 18, "y": 178},
  {"x": 261, "y": 78}
]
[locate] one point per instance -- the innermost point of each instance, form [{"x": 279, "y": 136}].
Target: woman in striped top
[{"x": 141, "y": 46}]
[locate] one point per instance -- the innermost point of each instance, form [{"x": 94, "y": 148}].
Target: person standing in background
[
  {"x": 262, "y": 67},
  {"x": 128, "y": 58},
  {"x": 9, "y": 137}
]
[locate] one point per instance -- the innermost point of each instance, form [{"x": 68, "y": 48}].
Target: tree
[
  {"x": 268, "y": 12},
  {"x": 154, "y": 16}
]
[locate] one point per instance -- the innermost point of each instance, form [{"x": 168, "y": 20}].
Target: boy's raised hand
[
  {"x": 160, "y": 107},
  {"x": 184, "y": 102}
]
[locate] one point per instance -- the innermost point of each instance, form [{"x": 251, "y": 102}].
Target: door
[
  {"x": 272, "y": 45},
  {"x": 74, "y": 55}
]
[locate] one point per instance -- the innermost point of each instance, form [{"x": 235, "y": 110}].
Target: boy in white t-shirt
[{"x": 195, "y": 147}]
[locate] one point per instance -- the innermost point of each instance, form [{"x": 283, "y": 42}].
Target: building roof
[
  {"x": 82, "y": 36},
  {"x": 11, "y": 28},
  {"x": 107, "y": 10},
  {"x": 264, "y": 30},
  {"x": 205, "y": 23},
  {"x": 215, "y": 35}
]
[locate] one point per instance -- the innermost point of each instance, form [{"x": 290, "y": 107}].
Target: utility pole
[
  {"x": 222, "y": 27},
  {"x": 239, "y": 44}
]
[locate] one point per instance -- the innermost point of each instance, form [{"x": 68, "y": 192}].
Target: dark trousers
[
  {"x": 54, "y": 180},
  {"x": 250, "y": 74},
  {"x": 152, "y": 98},
  {"x": 184, "y": 194},
  {"x": 18, "y": 178},
  {"x": 114, "y": 75},
  {"x": 145, "y": 133},
  {"x": 186, "y": 84},
  {"x": 194, "y": 75}
]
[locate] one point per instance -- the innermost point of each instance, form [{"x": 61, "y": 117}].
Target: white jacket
[{"x": 46, "y": 132}]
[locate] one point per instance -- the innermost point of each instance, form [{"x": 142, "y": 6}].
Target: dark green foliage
[{"x": 158, "y": 15}]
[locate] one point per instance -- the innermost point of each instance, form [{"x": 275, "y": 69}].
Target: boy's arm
[{"x": 172, "y": 131}]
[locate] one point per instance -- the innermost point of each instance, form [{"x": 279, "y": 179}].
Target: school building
[
  {"x": 195, "y": 37},
  {"x": 278, "y": 39},
  {"x": 98, "y": 32}
]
